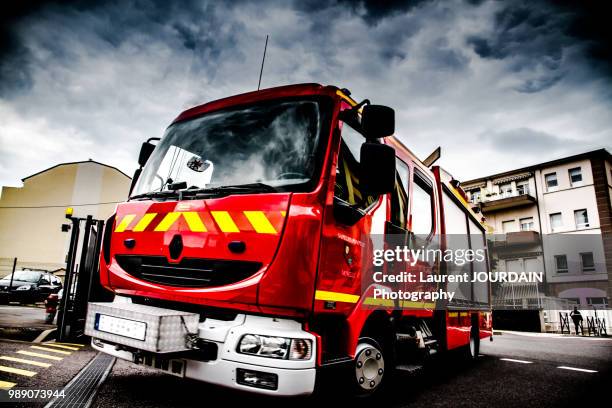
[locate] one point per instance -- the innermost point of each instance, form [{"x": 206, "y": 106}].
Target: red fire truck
[{"x": 242, "y": 256}]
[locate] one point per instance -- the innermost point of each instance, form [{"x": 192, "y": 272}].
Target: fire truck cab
[{"x": 243, "y": 256}]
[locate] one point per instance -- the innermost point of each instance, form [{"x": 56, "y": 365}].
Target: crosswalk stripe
[
  {"x": 18, "y": 371},
  {"x": 61, "y": 346},
  {"x": 32, "y": 354},
  {"x": 6, "y": 385},
  {"x": 67, "y": 353},
  {"x": 23, "y": 361}
]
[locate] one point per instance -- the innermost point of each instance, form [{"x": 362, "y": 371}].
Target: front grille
[{"x": 189, "y": 273}]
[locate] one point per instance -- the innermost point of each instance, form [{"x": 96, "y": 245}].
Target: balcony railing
[
  {"x": 518, "y": 238},
  {"x": 495, "y": 202}
]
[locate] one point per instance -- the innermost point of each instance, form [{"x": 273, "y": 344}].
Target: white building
[
  {"x": 556, "y": 218},
  {"x": 31, "y": 216}
]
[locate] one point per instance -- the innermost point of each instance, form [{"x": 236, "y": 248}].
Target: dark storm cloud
[
  {"x": 520, "y": 139},
  {"x": 110, "y": 24},
  {"x": 537, "y": 38},
  {"x": 372, "y": 11},
  {"x": 102, "y": 76}
]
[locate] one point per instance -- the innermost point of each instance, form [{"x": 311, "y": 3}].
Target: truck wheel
[{"x": 369, "y": 366}]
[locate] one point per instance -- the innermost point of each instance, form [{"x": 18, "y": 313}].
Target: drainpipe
[{"x": 535, "y": 182}]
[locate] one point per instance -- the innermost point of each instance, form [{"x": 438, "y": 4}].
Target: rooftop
[{"x": 586, "y": 155}]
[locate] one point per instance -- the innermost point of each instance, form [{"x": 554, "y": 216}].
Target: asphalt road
[
  {"x": 23, "y": 317},
  {"x": 531, "y": 377}
]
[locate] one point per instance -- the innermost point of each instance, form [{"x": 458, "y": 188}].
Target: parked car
[{"x": 28, "y": 286}]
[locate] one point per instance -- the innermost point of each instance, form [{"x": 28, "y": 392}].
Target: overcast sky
[{"x": 497, "y": 84}]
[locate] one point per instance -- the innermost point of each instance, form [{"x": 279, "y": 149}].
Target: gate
[{"x": 82, "y": 281}]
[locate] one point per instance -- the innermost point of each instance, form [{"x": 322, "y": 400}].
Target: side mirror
[
  {"x": 377, "y": 168},
  {"x": 378, "y": 121},
  {"x": 145, "y": 152}
]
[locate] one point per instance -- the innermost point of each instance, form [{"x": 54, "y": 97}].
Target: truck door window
[
  {"x": 399, "y": 200},
  {"x": 347, "y": 171},
  {"x": 422, "y": 206}
]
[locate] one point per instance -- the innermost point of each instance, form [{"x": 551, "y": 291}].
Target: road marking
[
  {"x": 66, "y": 353},
  {"x": 23, "y": 361},
  {"x": 30, "y": 353},
  {"x": 18, "y": 371},
  {"x": 61, "y": 346},
  {"x": 6, "y": 385},
  {"x": 70, "y": 344},
  {"x": 584, "y": 370},
  {"x": 516, "y": 361}
]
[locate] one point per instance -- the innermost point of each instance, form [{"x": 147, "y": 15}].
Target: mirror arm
[
  {"x": 350, "y": 115},
  {"x": 345, "y": 213},
  {"x": 134, "y": 180}
]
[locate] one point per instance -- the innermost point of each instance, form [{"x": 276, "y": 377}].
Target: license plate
[{"x": 121, "y": 327}]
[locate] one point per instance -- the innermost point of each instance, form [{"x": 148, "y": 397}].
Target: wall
[{"x": 31, "y": 216}]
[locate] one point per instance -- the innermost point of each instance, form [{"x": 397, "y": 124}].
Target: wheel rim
[{"x": 369, "y": 366}]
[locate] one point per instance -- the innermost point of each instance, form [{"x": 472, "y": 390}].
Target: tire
[
  {"x": 473, "y": 347},
  {"x": 369, "y": 369}
]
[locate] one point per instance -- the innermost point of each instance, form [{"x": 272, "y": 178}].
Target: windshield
[
  {"x": 23, "y": 276},
  {"x": 274, "y": 143}
]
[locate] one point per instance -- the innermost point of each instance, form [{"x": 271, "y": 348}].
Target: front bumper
[{"x": 293, "y": 377}]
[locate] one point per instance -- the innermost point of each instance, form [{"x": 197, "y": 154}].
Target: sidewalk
[{"x": 553, "y": 335}]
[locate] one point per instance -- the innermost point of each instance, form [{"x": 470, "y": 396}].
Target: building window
[
  {"x": 527, "y": 224},
  {"x": 587, "y": 262},
  {"x": 505, "y": 190},
  {"x": 597, "y": 302},
  {"x": 575, "y": 176},
  {"x": 551, "y": 181},
  {"x": 561, "y": 263},
  {"x": 476, "y": 196},
  {"x": 582, "y": 218},
  {"x": 508, "y": 226},
  {"x": 556, "y": 222},
  {"x": 522, "y": 187}
]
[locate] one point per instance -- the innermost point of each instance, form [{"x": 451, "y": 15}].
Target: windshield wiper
[
  {"x": 156, "y": 194},
  {"x": 221, "y": 190},
  {"x": 209, "y": 192}
]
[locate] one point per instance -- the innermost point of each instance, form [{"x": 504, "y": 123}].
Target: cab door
[
  {"x": 396, "y": 228},
  {"x": 423, "y": 234},
  {"x": 351, "y": 219}
]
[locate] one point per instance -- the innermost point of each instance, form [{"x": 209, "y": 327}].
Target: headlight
[
  {"x": 275, "y": 347},
  {"x": 24, "y": 287}
]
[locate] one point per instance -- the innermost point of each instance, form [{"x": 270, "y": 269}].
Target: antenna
[{"x": 263, "y": 60}]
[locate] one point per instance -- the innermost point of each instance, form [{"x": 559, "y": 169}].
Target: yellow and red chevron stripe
[{"x": 261, "y": 222}]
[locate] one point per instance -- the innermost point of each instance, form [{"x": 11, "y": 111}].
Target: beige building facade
[
  {"x": 554, "y": 217},
  {"x": 31, "y": 216}
]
